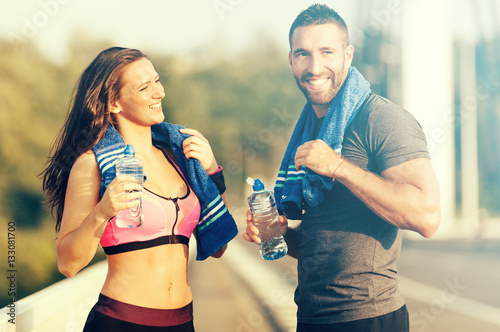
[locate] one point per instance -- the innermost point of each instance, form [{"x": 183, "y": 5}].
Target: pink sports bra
[{"x": 166, "y": 221}]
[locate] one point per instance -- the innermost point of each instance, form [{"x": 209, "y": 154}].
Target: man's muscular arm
[{"x": 406, "y": 195}]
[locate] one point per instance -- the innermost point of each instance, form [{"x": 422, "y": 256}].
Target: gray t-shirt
[{"x": 347, "y": 254}]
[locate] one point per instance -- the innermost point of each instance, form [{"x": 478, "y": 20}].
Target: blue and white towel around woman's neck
[
  {"x": 216, "y": 226},
  {"x": 295, "y": 187}
]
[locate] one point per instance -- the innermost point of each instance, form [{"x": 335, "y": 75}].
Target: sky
[
  {"x": 177, "y": 27},
  {"x": 160, "y": 25}
]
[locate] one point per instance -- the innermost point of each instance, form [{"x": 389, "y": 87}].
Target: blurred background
[{"x": 224, "y": 67}]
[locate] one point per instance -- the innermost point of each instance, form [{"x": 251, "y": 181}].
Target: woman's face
[{"x": 140, "y": 97}]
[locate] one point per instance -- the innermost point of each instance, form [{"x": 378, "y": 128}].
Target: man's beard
[{"x": 320, "y": 97}]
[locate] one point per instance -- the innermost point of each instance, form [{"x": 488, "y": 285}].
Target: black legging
[{"x": 112, "y": 315}]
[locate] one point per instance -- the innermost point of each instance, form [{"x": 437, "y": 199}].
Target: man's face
[{"x": 319, "y": 61}]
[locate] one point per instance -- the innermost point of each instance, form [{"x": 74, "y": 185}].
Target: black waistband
[{"x": 125, "y": 247}]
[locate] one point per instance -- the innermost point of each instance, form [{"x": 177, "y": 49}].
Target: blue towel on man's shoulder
[{"x": 294, "y": 188}]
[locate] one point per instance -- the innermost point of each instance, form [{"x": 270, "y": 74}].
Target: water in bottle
[
  {"x": 265, "y": 217},
  {"x": 130, "y": 165}
]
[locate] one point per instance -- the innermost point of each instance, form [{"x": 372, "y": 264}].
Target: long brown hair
[{"x": 86, "y": 121}]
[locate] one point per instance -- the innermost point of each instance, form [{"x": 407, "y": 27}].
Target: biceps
[{"x": 416, "y": 172}]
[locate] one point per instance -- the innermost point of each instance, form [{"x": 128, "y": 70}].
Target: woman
[{"x": 118, "y": 102}]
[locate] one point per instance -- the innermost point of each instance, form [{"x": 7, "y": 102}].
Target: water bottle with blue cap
[
  {"x": 265, "y": 217},
  {"x": 130, "y": 165}
]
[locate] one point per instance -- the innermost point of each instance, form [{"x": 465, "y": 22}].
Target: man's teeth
[
  {"x": 155, "y": 106},
  {"x": 317, "y": 82}
]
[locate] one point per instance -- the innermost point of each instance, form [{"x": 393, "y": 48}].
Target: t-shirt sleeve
[{"x": 394, "y": 136}]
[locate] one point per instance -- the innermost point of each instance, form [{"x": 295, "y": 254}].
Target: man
[{"x": 348, "y": 241}]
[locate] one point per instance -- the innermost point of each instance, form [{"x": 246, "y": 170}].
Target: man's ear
[
  {"x": 349, "y": 55},
  {"x": 290, "y": 60},
  {"x": 114, "y": 107}
]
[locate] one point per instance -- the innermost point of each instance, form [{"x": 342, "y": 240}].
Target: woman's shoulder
[
  {"x": 86, "y": 161},
  {"x": 84, "y": 181}
]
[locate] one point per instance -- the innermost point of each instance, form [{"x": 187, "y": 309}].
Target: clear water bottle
[
  {"x": 130, "y": 165},
  {"x": 265, "y": 217}
]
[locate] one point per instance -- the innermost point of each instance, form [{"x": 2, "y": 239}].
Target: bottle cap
[
  {"x": 258, "y": 185},
  {"x": 129, "y": 151}
]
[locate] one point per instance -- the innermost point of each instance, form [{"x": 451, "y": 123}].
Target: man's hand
[
  {"x": 318, "y": 157},
  {"x": 252, "y": 232}
]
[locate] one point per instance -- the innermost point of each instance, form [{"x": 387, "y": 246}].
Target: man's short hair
[{"x": 318, "y": 14}]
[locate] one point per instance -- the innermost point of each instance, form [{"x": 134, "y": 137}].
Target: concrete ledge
[{"x": 63, "y": 306}]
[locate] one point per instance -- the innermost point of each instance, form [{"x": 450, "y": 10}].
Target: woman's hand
[
  {"x": 120, "y": 194},
  {"x": 199, "y": 148},
  {"x": 86, "y": 215}
]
